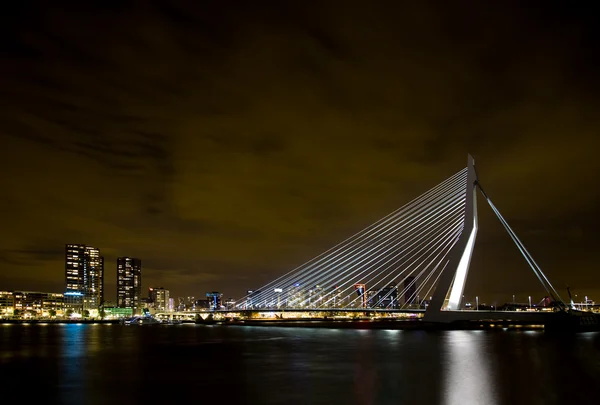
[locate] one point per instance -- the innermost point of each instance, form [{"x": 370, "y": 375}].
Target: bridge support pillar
[{"x": 449, "y": 290}]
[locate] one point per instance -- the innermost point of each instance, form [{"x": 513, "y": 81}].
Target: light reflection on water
[
  {"x": 98, "y": 364},
  {"x": 467, "y": 375}
]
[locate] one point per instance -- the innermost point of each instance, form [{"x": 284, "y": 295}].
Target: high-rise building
[
  {"x": 74, "y": 257},
  {"x": 129, "y": 283},
  {"x": 159, "y": 297},
  {"x": 410, "y": 290},
  {"x": 84, "y": 277},
  {"x": 93, "y": 279}
]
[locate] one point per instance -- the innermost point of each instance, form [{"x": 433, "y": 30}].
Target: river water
[{"x": 196, "y": 364}]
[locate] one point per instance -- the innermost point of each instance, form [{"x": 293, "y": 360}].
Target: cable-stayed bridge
[{"x": 415, "y": 259}]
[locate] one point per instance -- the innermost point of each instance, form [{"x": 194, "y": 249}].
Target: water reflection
[
  {"x": 467, "y": 375},
  {"x": 94, "y": 364},
  {"x": 365, "y": 370},
  {"x": 72, "y": 368}
]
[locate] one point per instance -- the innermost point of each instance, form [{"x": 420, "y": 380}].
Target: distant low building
[
  {"x": 371, "y": 298},
  {"x": 202, "y": 304},
  {"x": 410, "y": 291},
  {"x": 229, "y": 303},
  {"x": 7, "y": 304},
  {"x": 361, "y": 291},
  {"x": 145, "y": 303},
  {"x": 159, "y": 297},
  {"x": 180, "y": 304},
  {"x": 387, "y": 297},
  {"x": 251, "y": 298},
  {"x": 214, "y": 300},
  {"x": 117, "y": 313},
  {"x": 37, "y": 304}
]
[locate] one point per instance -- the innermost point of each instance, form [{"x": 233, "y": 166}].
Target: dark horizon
[{"x": 224, "y": 145}]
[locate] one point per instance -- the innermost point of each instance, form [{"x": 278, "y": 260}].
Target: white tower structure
[{"x": 449, "y": 290}]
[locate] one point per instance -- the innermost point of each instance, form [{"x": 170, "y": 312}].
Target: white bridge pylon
[
  {"x": 449, "y": 291},
  {"x": 416, "y": 257}
]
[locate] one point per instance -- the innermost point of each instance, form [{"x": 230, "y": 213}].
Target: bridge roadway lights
[
  {"x": 176, "y": 315},
  {"x": 316, "y": 314},
  {"x": 461, "y": 319}
]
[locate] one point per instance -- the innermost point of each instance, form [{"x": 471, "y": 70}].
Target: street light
[
  {"x": 477, "y": 303},
  {"x": 530, "y": 301}
]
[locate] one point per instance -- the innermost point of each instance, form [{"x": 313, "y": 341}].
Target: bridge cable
[
  {"x": 534, "y": 266},
  {"x": 448, "y": 235},
  {"x": 413, "y": 236},
  {"x": 373, "y": 247},
  {"x": 363, "y": 233},
  {"x": 437, "y": 260},
  {"x": 457, "y": 225},
  {"x": 384, "y": 223},
  {"x": 419, "y": 234}
]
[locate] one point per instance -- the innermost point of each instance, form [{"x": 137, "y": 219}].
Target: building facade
[
  {"x": 129, "y": 283},
  {"x": 93, "y": 279},
  {"x": 32, "y": 304},
  {"x": 410, "y": 291},
  {"x": 214, "y": 300},
  {"x": 230, "y": 304},
  {"x": 159, "y": 298},
  {"x": 84, "y": 278},
  {"x": 361, "y": 290},
  {"x": 251, "y": 298},
  {"x": 7, "y": 304},
  {"x": 387, "y": 297},
  {"x": 117, "y": 313}
]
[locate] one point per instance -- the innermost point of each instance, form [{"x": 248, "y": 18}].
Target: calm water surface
[{"x": 113, "y": 364}]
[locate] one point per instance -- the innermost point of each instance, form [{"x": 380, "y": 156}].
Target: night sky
[{"x": 225, "y": 143}]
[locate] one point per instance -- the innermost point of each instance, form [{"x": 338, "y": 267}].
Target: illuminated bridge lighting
[{"x": 414, "y": 259}]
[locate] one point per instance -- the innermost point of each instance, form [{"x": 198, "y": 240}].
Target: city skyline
[
  {"x": 128, "y": 271},
  {"x": 227, "y": 155},
  {"x": 84, "y": 276}
]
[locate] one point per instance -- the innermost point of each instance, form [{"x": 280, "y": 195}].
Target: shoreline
[
  {"x": 360, "y": 324},
  {"x": 58, "y": 321},
  {"x": 379, "y": 324},
  {"x": 304, "y": 323}
]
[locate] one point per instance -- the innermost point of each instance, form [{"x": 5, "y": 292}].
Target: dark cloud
[{"x": 226, "y": 143}]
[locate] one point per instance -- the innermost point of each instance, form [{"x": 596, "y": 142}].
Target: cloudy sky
[{"x": 225, "y": 143}]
